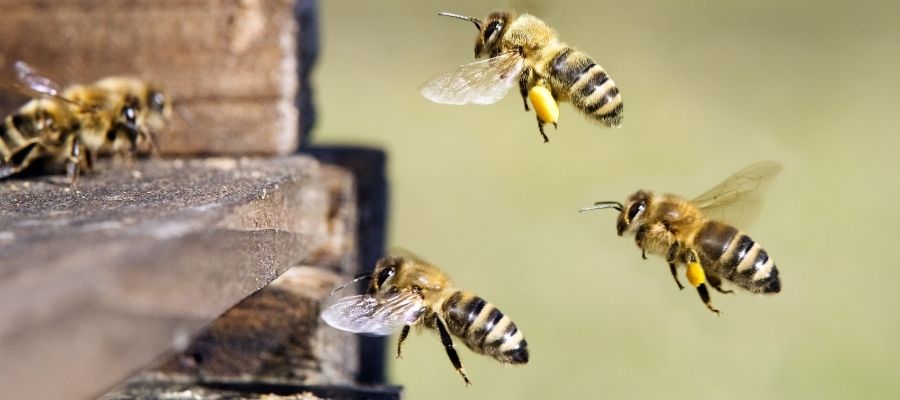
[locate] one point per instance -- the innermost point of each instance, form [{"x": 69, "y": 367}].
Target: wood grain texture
[{"x": 229, "y": 65}]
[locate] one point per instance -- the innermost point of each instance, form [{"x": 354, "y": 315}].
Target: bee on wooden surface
[
  {"x": 523, "y": 49},
  {"x": 405, "y": 292},
  {"x": 71, "y": 126},
  {"x": 690, "y": 232}
]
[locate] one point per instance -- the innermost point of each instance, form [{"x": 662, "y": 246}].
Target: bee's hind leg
[
  {"x": 698, "y": 278},
  {"x": 403, "y": 334},
  {"x": 541, "y": 128},
  {"x": 451, "y": 352}
]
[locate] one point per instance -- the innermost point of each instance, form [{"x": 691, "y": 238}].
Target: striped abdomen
[
  {"x": 575, "y": 76},
  {"x": 484, "y": 328},
  {"x": 732, "y": 255}
]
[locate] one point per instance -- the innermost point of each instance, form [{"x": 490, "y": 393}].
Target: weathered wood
[
  {"x": 230, "y": 65},
  {"x": 98, "y": 281},
  {"x": 149, "y": 389},
  {"x": 275, "y": 335}
]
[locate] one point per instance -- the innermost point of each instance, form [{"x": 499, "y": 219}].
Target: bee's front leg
[
  {"x": 639, "y": 239},
  {"x": 73, "y": 161}
]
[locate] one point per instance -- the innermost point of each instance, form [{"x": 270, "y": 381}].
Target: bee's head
[
  {"x": 633, "y": 211},
  {"x": 489, "y": 31},
  {"x": 629, "y": 213},
  {"x": 384, "y": 276}
]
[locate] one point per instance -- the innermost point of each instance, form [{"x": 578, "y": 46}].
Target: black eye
[
  {"x": 129, "y": 114},
  {"x": 634, "y": 210},
  {"x": 157, "y": 101},
  {"x": 491, "y": 29},
  {"x": 383, "y": 276}
]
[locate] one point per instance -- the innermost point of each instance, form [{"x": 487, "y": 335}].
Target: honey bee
[
  {"x": 71, "y": 126},
  {"x": 405, "y": 291},
  {"x": 524, "y": 49},
  {"x": 689, "y": 232}
]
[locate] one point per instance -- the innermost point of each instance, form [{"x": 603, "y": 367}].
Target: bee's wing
[
  {"x": 374, "y": 315},
  {"x": 36, "y": 82},
  {"x": 481, "y": 82},
  {"x": 738, "y": 199}
]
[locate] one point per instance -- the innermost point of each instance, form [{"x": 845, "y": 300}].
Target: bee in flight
[
  {"x": 690, "y": 232},
  {"x": 524, "y": 49},
  {"x": 405, "y": 291},
  {"x": 71, "y": 126}
]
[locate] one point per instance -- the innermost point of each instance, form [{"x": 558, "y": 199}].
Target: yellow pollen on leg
[
  {"x": 545, "y": 106},
  {"x": 695, "y": 274}
]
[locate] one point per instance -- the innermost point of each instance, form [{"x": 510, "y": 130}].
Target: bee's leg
[
  {"x": 671, "y": 258},
  {"x": 89, "y": 159},
  {"x": 698, "y": 279},
  {"x": 153, "y": 142},
  {"x": 541, "y": 128},
  {"x": 22, "y": 157},
  {"x": 73, "y": 161},
  {"x": 716, "y": 283},
  {"x": 451, "y": 352},
  {"x": 403, "y": 334},
  {"x": 639, "y": 239},
  {"x": 523, "y": 85}
]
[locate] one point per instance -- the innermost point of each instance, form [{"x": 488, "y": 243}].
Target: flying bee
[
  {"x": 404, "y": 291},
  {"x": 73, "y": 125},
  {"x": 689, "y": 233},
  {"x": 524, "y": 49}
]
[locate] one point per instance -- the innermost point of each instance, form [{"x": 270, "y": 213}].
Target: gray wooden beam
[{"x": 100, "y": 280}]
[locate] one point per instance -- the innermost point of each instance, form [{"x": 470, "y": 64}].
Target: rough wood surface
[
  {"x": 230, "y": 65},
  {"x": 275, "y": 335},
  {"x": 98, "y": 281}
]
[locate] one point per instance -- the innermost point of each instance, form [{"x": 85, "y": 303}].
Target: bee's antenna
[
  {"x": 473, "y": 20},
  {"x": 357, "y": 278},
  {"x": 603, "y": 204}
]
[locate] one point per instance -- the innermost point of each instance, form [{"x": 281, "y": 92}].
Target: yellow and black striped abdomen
[
  {"x": 586, "y": 84},
  {"x": 484, "y": 329},
  {"x": 732, "y": 255}
]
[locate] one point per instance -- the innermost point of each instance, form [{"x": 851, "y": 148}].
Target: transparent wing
[
  {"x": 374, "y": 315},
  {"x": 34, "y": 81},
  {"x": 738, "y": 199},
  {"x": 481, "y": 82}
]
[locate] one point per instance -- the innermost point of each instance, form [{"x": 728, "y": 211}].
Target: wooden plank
[{"x": 98, "y": 281}]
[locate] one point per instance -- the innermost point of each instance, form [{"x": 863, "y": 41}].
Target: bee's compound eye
[
  {"x": 384, "y": 275},
  {"x": 635, "y": 209},
  {"x": 129, "y": 114},
  {"x": 157, "y": 101},
  {"x": 491, "y": 30}
]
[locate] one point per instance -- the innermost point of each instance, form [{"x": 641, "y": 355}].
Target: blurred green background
[{"x": 708, "y": 87}]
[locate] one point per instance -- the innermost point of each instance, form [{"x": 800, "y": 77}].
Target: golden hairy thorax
[
  {"x": 531, "y": 35},
  {"x": 670, "y": 218}
]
